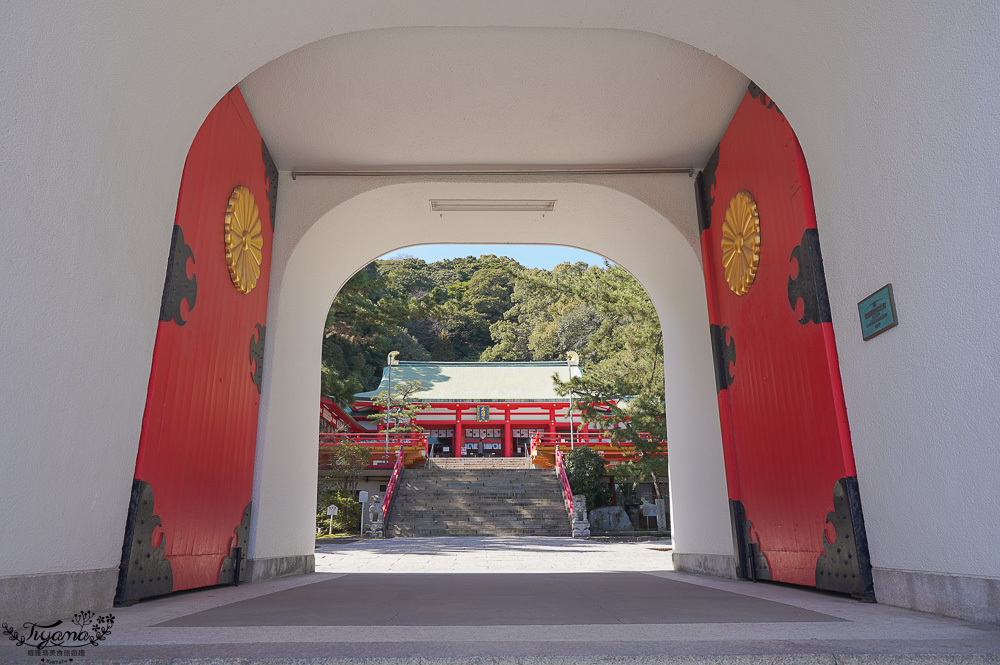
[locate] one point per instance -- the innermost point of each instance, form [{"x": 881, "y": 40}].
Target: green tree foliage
[
  {"x": 604, "y": 314},
  {"x": 474, "y": 303},
  {"x": 349, "y": 463},
  {"x": 585, "y": 472},
  {"x": 403, "y": 410},
  {"x": 548, "y": 317},
  {"x": 365, "y": 322},
  {"x": 441, "y": 311}
]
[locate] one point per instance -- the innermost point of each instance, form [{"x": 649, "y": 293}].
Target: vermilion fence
[
  {"x": 382, "y": 451},
  {"x": 543, "y": 446}
]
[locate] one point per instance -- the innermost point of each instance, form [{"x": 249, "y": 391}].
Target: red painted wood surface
[
  {"x": 336, "y": 419},
  {"x": 200, "y": 425},
  {"x": 784, "y": 425}
]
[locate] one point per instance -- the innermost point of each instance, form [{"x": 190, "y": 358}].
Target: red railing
[
  {"x": 390, "y": 489},
  {"x": 579, "y": 438},
  {"x": 564, "y": 481},
  {"x": 611, "y": 451},
  {"x": 562, "y": 439},
  {"x": 375, "y": 442}
]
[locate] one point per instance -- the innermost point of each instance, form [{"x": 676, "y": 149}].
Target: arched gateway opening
[
  {"x": 467, "y": 340},
  {"x": 793, "y": 511},
  {"x": 589, "y": 211}
]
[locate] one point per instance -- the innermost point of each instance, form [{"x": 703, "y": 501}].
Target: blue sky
[{"x": 531, "y": 256}]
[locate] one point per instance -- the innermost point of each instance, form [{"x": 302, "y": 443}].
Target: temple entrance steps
[
  {"x": 452, "y": 463},
  {"x": 478, "y": 497}
]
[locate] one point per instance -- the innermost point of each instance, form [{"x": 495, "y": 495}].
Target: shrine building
[
  {"x": 470, "y": 409},
  {"x": 483, "y": 409}
]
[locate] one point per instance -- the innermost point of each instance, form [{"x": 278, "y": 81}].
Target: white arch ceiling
[{"x": 497, "y": 96}]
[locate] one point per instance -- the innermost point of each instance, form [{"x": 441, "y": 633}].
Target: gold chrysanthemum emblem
[
  {"x": 741, "y": 243},
  {"x": 244, "y": 242}
]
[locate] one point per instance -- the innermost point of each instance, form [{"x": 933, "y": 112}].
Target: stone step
[
  {"x": 473, "y": 477},
  {"x": 402, "y": 532},
  {"x": 504, "y": 491},
  {"x": 467, "y": 491},
  {"x": 470, "y": 490},
  {"x": 512, "y": 526},
  {"x": 539, "y": 523},
  {"x": 480, "y": 482},
  {"x": 475, "y": 510},
  {"x": 457, "y": 468},
  {"x": 466, "y": 533},
  {"x": 467, "y": 514},
  {"x": 491, "y": 497},
  {"x": 479, "y": 462},
  {"x": 477, "y": 503},
  {"x": 466, "y": 507},
  {"x": 484, "y": 463},
  {"x": 426, "y": 483},
  {"x": 464, "y": 515}
]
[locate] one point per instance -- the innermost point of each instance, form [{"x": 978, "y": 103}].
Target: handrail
[
  {"x": 580, "y": 439},
  {"x": 564, "y": 481},
  {"x": 542, "y": 445},
  {"x": 390, "y": 489},
  {"x": 375, "y": 443},
  {"x": 375, "y": 439}
]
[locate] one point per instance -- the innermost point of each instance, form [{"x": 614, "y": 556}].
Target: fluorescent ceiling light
[{"x": 491, "y": 205}]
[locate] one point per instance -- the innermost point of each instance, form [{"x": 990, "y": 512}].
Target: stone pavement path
[
  {"x": 519, "y": 601},
  {"x": 491, "y": 555}
]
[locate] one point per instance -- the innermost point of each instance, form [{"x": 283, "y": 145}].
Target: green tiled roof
[{"x": 478, "y": 382}]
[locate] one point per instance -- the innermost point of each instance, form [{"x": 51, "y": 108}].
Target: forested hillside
[{"x": 493, "y": 308}]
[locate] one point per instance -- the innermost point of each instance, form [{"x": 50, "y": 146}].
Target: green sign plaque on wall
[{"x": 877, "y": 312}]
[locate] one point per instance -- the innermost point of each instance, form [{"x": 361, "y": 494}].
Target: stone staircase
[{"x": 478, "y": 497}]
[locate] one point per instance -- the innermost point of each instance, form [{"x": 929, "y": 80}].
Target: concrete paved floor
[{"x": 521, "y": 600}]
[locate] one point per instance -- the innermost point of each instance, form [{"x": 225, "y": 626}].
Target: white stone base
[
  {"x": 717, "y": 565},
  {"x": 961, "y": 596},
  {"x": 51, "y": 596}
]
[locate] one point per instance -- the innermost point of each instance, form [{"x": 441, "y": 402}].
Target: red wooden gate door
[
  {"x": 189, "y": 516},
  {"x": 789, "y": 464}
]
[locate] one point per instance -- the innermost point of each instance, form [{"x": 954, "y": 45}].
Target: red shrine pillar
[
  {"x": 459, "y": 433},
  {"x": 508, "y": 438},
  {"x": 552, "y": 422}
]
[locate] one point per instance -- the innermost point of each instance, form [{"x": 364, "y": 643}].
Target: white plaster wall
[
  {"x": 598, "y": 217},
  {"x": 894, "y": 106}
]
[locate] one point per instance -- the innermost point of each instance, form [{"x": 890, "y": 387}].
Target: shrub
[
  {"x": 347, "y": 520},
  {"x": 585, "y": 470}
]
